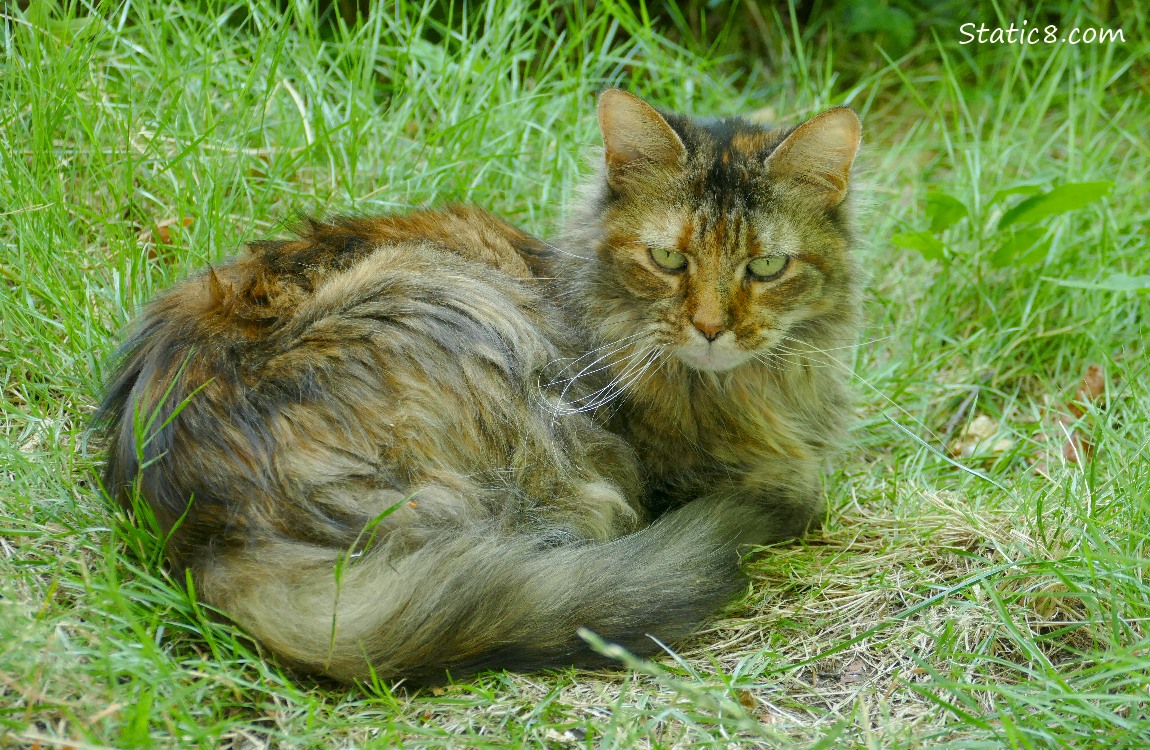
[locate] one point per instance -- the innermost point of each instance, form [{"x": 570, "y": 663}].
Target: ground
[{"x": 980, "y": 580}]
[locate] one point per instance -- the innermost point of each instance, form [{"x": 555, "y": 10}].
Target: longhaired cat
[
  {"x": 711, "y": 264},
  {"x": 366, "y": 446}
]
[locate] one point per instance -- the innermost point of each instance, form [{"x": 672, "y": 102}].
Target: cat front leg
[{"x": 787, "y": 498}]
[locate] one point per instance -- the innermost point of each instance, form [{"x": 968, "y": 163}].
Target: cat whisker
[
  {"x": 601, "y": 353},
  {"x": 809, "y": 348},
  {"x": 571, "y": 381},
  {"x": 561, "y": 251},
  {"x": 607, "y": 395},
  {"x": 634, "y": 361},
  {"x": 637, "y": 364},
  {"x": 611, "y": 348},
  {"x": 810, "y": 356},
  {"x": 600, "y": 364},
  {"x": 832, "y": 362},
  {"x": 662, "y": 356},
  {"x": 941, "y": 453},
  {"x": 573, "y": 360},
  {"x": 837, "y": 348},
  {"x": 781, "y": 353},
  {"x": 778, "y": 360},
  {"x": 806, "y": 353}
]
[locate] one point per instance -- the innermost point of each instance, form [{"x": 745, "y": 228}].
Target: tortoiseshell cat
[
  {"x": 367, "y": 450},
  {"x": 711, "y": 265}
]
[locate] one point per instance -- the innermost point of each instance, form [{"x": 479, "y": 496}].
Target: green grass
[{"x": 972, "y": 602}]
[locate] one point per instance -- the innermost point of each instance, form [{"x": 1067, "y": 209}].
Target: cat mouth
[{"x": 712, "y": 356}]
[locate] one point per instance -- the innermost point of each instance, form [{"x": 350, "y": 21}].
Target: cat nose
[{"x": 709, "y": 329}]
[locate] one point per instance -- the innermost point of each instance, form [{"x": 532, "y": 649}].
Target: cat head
[{"x": 719, "y": 240}]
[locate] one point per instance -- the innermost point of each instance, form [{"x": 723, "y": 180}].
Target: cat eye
[
  {"x": 668, "y": 259},
  {"x": 768, "y": 267}
]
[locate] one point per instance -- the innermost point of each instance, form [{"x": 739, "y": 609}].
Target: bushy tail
[{"x": 475, "y": 601}]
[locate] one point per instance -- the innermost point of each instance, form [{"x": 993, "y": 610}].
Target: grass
[{"x": 999, "y": 599}]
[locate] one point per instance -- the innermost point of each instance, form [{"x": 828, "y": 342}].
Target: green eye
[
  {"x": 768, "y": 267},
  {"x": 668, "y": 259}
]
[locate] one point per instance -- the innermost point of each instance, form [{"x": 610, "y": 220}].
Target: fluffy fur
[
  {"x": 357, "y": 447},
  {"x": 728, "y": 384},
  {"x": 373, "y": 447}
]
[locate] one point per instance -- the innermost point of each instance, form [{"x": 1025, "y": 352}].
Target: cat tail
[{"x": 475, "y": 600}]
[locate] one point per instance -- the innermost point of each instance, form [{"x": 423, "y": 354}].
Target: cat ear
[
  {"x": 819, "y": 154},
  {"x": 635, "y": 135},
  {"x": 217, "y": 292}
]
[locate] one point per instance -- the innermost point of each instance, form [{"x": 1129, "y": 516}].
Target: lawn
[{"x": 981, "y": 578}]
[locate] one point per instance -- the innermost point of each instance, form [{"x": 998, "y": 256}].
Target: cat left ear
[
  {"x": 819, "y": 153},
  {"x": 635, "y": 134}
]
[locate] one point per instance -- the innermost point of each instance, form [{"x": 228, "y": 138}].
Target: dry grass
[{"x": 972, "y": 602}]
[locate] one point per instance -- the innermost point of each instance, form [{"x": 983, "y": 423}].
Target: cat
[
  {"x": 367, "y": 448},
  {"x": 351, "y": 444},
  {"x": 711, "y": 263}
]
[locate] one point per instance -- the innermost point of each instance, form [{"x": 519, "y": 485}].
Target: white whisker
[
  {"x": 661, "y": 359},
  {"x": 612, "y": 348},
  {"x": 561, "y": 251},
  {"x": 837, "y": 348},
  {"x": 637, "y": 363},
  {"x": 634, "y": 361}
]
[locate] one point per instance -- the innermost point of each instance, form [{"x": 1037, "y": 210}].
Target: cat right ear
[
  {"x": 635, "y": 136},
  {"x": 819, "y": 154}
]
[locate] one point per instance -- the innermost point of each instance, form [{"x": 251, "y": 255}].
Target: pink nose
[{"x": 709, "y": 329}]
